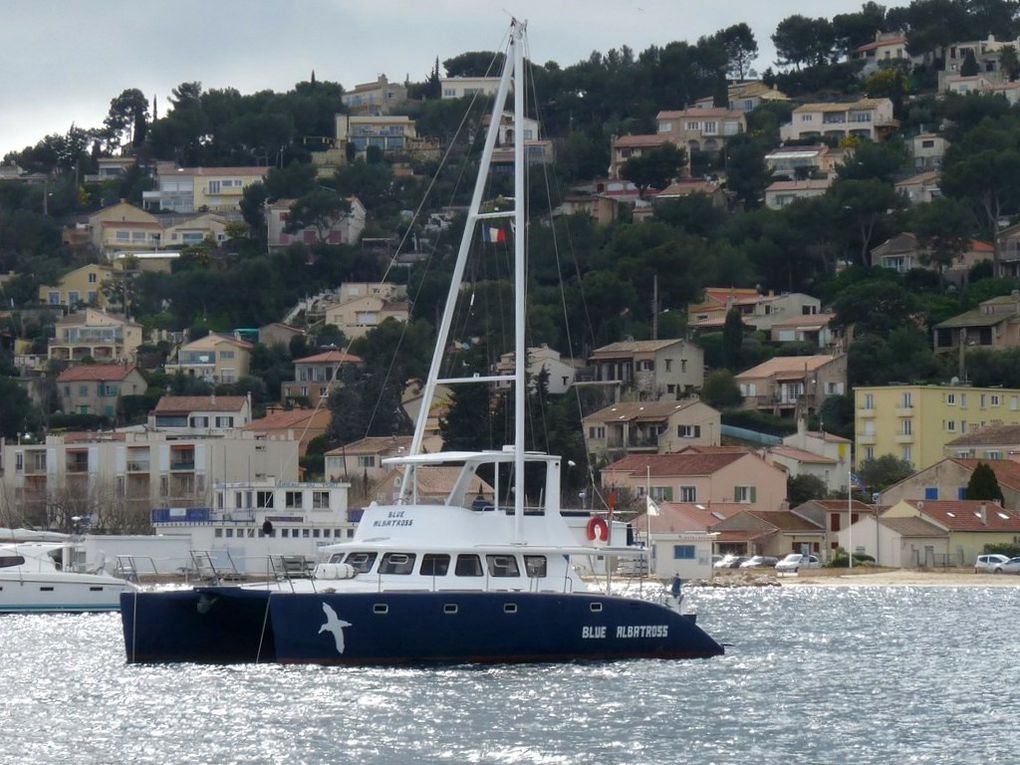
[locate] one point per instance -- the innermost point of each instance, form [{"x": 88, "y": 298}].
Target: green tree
[
  {"x": 803, "y": 488},
  {"x": 1009, "y": 61},
  {"x": 944, "y": 227},
  {"x": 802, "y": 41},
  {"x": 319, "y": 209},
  {"x": 16, "y": 414},
  {"x": 128, "y": 112},
  {"x": 747, "y": 175},
  {"x": 864, "y": 205},
  {"x": 740, "y": 46},
  {"x": 969, "y": 67},
  {"x": 721, "y": 390},
  {"x": 983, "y": 484},
  {"x": 882, "y": 472},
  {"x": 733, "y": 339},
  {"x": 655, "y": 169}
]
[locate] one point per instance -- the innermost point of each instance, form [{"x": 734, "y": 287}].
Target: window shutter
[{"x": 754, "y": 494}]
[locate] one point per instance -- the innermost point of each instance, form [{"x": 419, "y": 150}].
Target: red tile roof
[
  {"x": 186, "y": 404},
  {"x": 965, "y": 514},
  {"x": 330, "y": 357},
  {"x": 675, "y": 464},
  {"x": 1007, "y": 472},
  {"x": 292, "y": 418},
  {"x": 95, "y": 373},
  {"x": 801, "y": 455},
  {"x": 680, "y": 517}
]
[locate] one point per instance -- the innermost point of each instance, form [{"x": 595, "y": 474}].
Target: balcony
[
  {"x": 866, "y": 439},
  {"x": 904, "y": 411},
  {"x": 182, "y": 465},
  {"x": 904, "y": 438},
  {"x": 138, "y": 466}
]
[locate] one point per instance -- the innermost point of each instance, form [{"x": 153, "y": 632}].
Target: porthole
[
  {"x": 380, "y": 608},
  {"x": 595, "y": 608},
  {"x": 509, "y": 608},
  {"x": 95, "y": 589},
  {"x": 450, "y": 608}
]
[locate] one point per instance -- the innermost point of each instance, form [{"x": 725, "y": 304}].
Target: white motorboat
[{"x": 36, "y": 577}]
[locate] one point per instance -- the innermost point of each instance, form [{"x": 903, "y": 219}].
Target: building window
[
  {"x": 93, "y": 278},
  {"x": 907, "y": 400},
  {"x": 366, "y": 461},
  {"x": 597, "y": 432},
  {"x": 951, "y": 399},
  {"x": 869, "y": 452},
  {"x": 996, "y": 399},
  {"x": 264, "y": 499},
  {"x": 683, "y": 552},
  {"x": 224, "y": 422},
  {"x": 908, "y": 427},
  {"x": 746, "y": 494},
  {"x": 688, "y": 431},
  {"x": 688, "y": 493},
  {"x": 869, "y": 401},
  {"x": 320, "y": 500},
  {"x": 292, "y": 499},
  {"x": 200, "y": 422},
  {"x": 662, "y": 493},
  {"x": 908, "y": 454},
  {"x": 951, "y": 426}
]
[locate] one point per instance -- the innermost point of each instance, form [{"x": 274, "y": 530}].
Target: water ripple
[{"x": 854, "y": 675}]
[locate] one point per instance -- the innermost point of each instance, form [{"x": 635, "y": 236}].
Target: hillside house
[{"x": 648, "y": 370}]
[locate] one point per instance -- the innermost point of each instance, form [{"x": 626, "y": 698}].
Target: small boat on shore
[
  {"x": 35, "y": 577},
  {"x": 459, "y": 580}
]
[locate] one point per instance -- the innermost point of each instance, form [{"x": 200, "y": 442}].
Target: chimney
[{"x": 983, "y": 513}]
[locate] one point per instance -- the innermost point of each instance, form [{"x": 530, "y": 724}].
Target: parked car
[
  {"x": 1011, "y": 566},
  {"x": 730, "y": 561},
  {"x": 759, "y": 561},
  {"x": 795, "y": 562},
  {"x": 987, "y": 563}
]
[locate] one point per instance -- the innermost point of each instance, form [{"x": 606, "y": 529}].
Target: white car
[
  {"x": 795, "y": 562},
  {"x": 988, "y": 563},
  {"x": 1011, "y": 566}
]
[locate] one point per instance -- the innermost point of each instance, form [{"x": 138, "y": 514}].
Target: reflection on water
[{"x": 812, "y": 675}]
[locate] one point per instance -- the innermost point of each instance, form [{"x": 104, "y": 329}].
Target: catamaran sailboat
[{"x": 427, "y": 582}]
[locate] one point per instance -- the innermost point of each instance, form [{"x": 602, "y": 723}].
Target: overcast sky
[{"x": 64, "y": 60}]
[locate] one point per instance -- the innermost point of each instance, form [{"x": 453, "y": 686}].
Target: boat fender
[
  {"x": 598, "y": 530},
  {"x": 335, "y": 571}
]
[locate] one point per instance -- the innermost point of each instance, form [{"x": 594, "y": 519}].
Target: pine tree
[{"x": 983, "y": 484}]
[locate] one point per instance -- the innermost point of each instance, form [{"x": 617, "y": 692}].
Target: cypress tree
[{"x": 983, "y": 484}]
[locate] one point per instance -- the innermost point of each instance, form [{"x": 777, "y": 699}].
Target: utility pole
[{"x": 655, "y": 306}]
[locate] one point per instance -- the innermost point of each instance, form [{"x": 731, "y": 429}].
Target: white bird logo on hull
[{"x": 335, "y": 625}]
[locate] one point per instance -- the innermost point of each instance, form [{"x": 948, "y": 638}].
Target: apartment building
[
  {"x": 648, "y": 370},
  {"x": 870, "y": 118},
  {"x": 97, "y": 335},
  {"x": 916, "y": 422}
]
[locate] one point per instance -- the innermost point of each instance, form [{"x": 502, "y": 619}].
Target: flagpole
[{"x": 850, "y": 513}]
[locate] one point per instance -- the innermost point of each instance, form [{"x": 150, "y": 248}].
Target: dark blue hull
[{"x": 227, "y": 624}]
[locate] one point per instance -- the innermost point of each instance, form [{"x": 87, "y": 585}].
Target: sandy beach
[{"x": 869, "y": 577}]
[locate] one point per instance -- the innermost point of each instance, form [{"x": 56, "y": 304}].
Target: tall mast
[
  {"x": 520, "y": 236},
  {"x": 512, "y": 70}
]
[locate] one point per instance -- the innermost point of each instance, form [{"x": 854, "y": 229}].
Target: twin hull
[
  {"x": 59, "y": 593},
  {"x": 229, "y": 624}
]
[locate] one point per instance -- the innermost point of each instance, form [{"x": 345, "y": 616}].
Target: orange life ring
[{"x": 598, "y": 529}]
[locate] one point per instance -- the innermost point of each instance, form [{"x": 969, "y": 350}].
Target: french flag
[{"x": 491, "y": 234}]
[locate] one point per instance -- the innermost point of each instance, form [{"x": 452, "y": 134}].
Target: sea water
[{"x": 811, "y": 675}]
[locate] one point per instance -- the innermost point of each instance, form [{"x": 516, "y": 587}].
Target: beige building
[
  {"x": 379, "y": 97},
  {"x": 458, "y": 87},
  {"x": 887, "y": 48},
  {"x": 927, "y": 151},
  {"x": 82, "y": 286},
  {"x": 701, "y": 130},
  {"x": 758, "y": 311},
  {"x": 833, "y": 516},
  {"x": 651, "y": 427},
  {"x": 559, "y": 372},
  {"x": 768, "y": 532},
  {"x": 995, "y": 442},
  {"x": 343, "y": 229},
  {"x": 302, "y": 425},
  {"x": 98, "y": 388},
  {"x": 870, "y": 118},
  {"x": 948, "y": 479},
  {"x": 363, "y": 459},
  {"x": 903, "y": 252},
  {"x": 314, "y": 376},
  {"x": 215, "y": 358},
  {"x": 207, "y": 414},
  {"x": 111, "y": 475},
  {"x": 359, "y": 316},
  {"x": 812, "y": 328},
  {"x": 968, "y": 526},
  {"x": 122, "y": 227},
  {"x": 200, "y": 189},
  {"x": 632, "y": 146},
  {"x": 798, "y": 162},
  {"x": 195, "y": 229},
  {"x": 780, "y": 194},
  {"x": 95, "y": 334},
  {"x": 993, "y": 325},
  {"x": 823, "y": 455},
  {"x": 715, "y": 475},
  {"x": 787, "y": 385},
  {"x": 388, "y": 133},
  {"x": 649, "y": 370},
  {"x": 920, "y": 189}
]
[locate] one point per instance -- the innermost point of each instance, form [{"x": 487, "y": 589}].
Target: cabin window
[
  {"x": 336, "y": 558},
  {"x": 433, "y": 564},
  {"x": 449, "y": 608},
  {"x": 509, "y": 608},
  {"x": 502, "y": 565},
  {"x": 397, "y": 563},
  {"x": 535, "y": 566},
  {"x": 595, "y": 608},
  {"x": 45, "y": 589},
  {"x": 468, "y": 565},
  {"x": 95, "y": 589},
  {"x": 11, "y": 560},
  {"x": 361, "y": 562}
]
